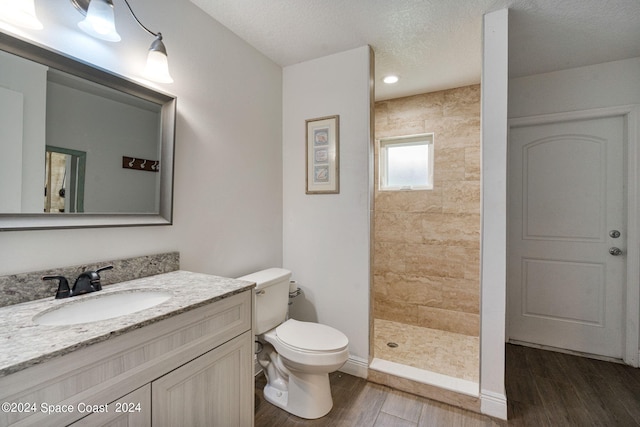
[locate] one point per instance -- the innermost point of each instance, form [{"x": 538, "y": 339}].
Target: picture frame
[{"x": 323, "y": 155}]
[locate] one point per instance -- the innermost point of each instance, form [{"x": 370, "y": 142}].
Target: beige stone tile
[
  {"x": 463, "y": 101},
  {"x": 380, "y": 288},
  {"x": 409, "y": 201},
  {"x": 444, "y": 352},
  {"x": 389, "y": 257},
  {"x": 472, "y": 164},
  {"x": 434, "y": 260},
  {"x": 381, "y": 114},
  {"x": 447, "y": 320},
  {"x": 415, "y": 108},
  {"x": 472, "y": 266},
  {"x": 399, "y": 128},
  {"x": 453, "y": 132},
  {"x": 449, "y": 164},
  {"x": 398, "y": 312},
  {"x": 418, "y": 290},
  {"x": 460, "y": 295},
  {"x": 461, "y": 197},
  {"x": 389, "y": 226},
  {"x": 451, "y": 230}
]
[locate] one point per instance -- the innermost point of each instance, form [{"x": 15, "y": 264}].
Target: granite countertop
[{"x": 24, "y": 343}]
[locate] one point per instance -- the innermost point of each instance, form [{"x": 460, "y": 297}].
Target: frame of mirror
[{"x": 80, "y": 69}]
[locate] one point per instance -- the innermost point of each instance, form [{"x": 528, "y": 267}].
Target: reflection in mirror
[
  {"x": 80, "y": 123},
  {"x": 65, "y": 178}
]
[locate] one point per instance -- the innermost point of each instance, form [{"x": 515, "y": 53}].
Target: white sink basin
[{"x": 101, "y": 307}]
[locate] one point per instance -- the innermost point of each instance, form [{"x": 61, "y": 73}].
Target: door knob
[
  {"x": 614, "y": 234},
  {"x": 615, "y": 251}
]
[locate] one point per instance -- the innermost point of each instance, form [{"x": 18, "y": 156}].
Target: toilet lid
[{"x": 311, "y": 336}]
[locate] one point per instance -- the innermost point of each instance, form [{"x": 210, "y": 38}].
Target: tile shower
[{"x": 426, "y": 245}]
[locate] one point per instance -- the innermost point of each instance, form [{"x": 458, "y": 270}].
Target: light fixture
[
  {"x": 391, "y": 79},
  {"x": 21, "y": 13},
  {"x": 99, "y": 22}
]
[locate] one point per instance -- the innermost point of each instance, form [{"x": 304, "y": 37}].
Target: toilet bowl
[{"x": 296, "y": 356}]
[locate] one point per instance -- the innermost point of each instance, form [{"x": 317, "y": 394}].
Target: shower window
[{"x": 406, "y": 163}]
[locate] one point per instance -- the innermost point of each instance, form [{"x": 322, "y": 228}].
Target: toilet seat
[
  {"x": 306, "y": 351},
  {"x": 311, "y": 337}
]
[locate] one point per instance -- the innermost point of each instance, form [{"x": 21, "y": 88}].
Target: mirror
[
  {"x": 80, "y": 147},
  {"x": 64, "y": 172}
]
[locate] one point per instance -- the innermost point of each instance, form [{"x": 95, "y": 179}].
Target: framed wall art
[{"x": 323, "y": 155}]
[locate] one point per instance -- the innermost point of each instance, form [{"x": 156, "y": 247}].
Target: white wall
[
  {"x": 494, "y": 213},
  {"x": 326, "y": 237},
  {"x": 228, "y": 166},
  {"x": 595, "y": 86}
]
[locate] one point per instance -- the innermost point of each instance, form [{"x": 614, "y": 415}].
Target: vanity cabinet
[
  {"x": 124, "y": 412},
  {"x": 186, "y": 397},
  {"x": 194, "y": 368}
]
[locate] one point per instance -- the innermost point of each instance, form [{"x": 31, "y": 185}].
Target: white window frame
[{"x": 419, "y": 139}]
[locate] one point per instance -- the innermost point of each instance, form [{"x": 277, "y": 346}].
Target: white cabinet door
[
  {"x": 133, "y": 410},
  {"x": 216, "y": 389}
]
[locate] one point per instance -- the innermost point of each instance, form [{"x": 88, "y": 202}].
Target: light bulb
[
  {"x": 100, "y": 21},
  {"x": 157, "y": 68}
]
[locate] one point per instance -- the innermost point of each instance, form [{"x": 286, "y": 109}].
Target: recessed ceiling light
[{"x": 391, "y": 79}]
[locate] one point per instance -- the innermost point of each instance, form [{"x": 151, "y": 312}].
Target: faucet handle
[
  {"x": 95, "y": 277},
  {"x": 108, "y": 267},
  {"x": 63, "y": 286}
]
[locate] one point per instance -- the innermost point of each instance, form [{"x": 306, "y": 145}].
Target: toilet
[{"x": 296, "y": 356}]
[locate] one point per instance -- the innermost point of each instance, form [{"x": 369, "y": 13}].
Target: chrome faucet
[{"x": 88, "y": 281}]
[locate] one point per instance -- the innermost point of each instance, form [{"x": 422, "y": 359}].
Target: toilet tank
[{"x": 271, "y": 298}]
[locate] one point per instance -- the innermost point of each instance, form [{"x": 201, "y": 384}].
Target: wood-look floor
[{"x": 543, "y": 389}]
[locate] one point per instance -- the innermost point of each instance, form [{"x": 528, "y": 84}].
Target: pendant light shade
[
  {"x": 157, "y": 68},
  {"x": 21, "y": 13},
  {"x": 100, "y": 21}
]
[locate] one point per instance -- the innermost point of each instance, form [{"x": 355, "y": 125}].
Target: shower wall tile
[
  {"x": 389, "y": 257},
  {"x": 472, "y": 164},
  {"x": 415, "y": 108},
  {"x": 460, "y": 295},
  {"x": 449, "y": 320},
  {"x": 461, "y": 197},
  {"x": 472, "y": 267},
  {"x": 451, "y": 230},
  {"x": 409, "y": 201},
  {"x": 426, "y": 257},
  {"x": 412, "y": 289},
  {"x": 396, "y": 311},
  {"x": 435, "y": 260},
  {"x": 449, "y": 164},
  {"x": 462, "y": 101}
]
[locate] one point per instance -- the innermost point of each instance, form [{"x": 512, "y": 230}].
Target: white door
[{"x": 566, "y": 213}]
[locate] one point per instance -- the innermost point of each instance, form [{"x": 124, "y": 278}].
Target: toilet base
[{"x": 307, "y": 396}]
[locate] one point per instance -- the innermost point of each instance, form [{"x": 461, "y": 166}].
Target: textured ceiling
[{"x": 435, "y": 44}]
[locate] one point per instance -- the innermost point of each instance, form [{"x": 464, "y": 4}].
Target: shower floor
[{"x": 443, "y": 352}]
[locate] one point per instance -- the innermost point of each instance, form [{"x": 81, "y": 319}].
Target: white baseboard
[
  {"x": 493, "y": 404},
  {"x": 356, "y": 366}
]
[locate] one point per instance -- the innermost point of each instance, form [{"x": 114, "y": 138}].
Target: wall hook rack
[{"x": 140, "y": 164}]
